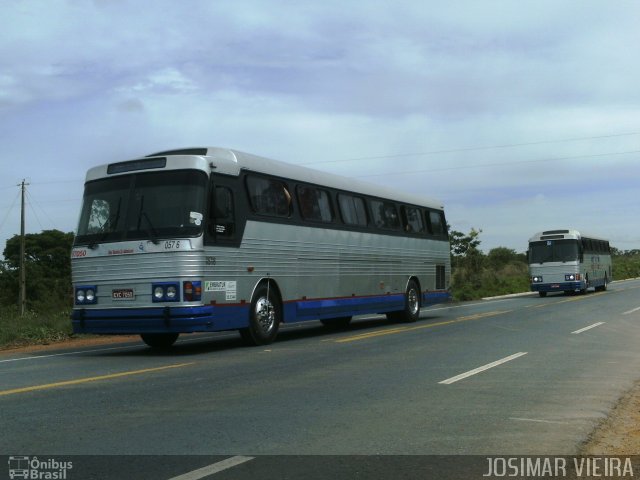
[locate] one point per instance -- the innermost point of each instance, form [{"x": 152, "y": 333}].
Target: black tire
[
  {"x": 159, "y": 340},
  {"x": 265, "y": 316},
  {"x": 603, "y": 288},
  {"x": 336, "y": 323},
  {"x": 542, "y": 294},
  {"x": 411, "y": 312}
]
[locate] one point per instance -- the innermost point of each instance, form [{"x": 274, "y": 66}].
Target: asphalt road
[{"x": 514, "y": 376}]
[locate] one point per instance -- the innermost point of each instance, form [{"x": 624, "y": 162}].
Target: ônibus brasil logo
[{"x": 35, "y": 468}]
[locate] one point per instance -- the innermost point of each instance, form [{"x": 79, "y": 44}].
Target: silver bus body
[
  {"x": 162, "y": 260},
  {"x": 568, "y": 261}
]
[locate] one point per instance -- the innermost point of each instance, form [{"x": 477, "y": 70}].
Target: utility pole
[{"x": 23, "y": 276}]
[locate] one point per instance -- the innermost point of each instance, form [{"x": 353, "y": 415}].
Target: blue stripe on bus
[{"x": 212, "y": 318}]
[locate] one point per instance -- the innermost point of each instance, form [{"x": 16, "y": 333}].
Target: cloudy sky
[{"x": 519, "y": 115}]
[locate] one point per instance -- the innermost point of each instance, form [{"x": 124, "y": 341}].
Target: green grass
[{"x": 32, "y": 328}]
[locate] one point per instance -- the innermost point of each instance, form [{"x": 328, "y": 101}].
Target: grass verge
[{"x": 33, "y": 328}]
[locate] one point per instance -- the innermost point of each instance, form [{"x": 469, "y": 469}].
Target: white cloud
[{"x": 87, "y": 82}]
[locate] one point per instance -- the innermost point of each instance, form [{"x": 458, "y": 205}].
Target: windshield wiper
[{"x": 142, "y": 214}]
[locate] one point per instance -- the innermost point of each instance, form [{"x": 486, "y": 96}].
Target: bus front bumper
[
  {"x": 206, "y": 318},
  {"x": 558, "y": 287}
]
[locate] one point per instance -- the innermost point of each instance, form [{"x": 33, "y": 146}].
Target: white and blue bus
[
  {"x": 211, "y": 239},
  {"x": 568, "y": 261}
]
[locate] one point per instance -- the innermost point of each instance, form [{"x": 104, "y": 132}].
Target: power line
[
  {"x": 15, "y": 199},
  {"x": 497, "y": 164},
  {"x": 50, "y": 182},
  {"x": 31, "y": 204},
  {"x": 470, "y": 149}
]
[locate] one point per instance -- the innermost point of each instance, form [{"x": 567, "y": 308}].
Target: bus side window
[
  {"x": 412, "y": 220},
  {"x": 352, "y": 210},
  {"x": 385, "y": 215},
  {"x": 223, "y": 219},
  {"x": 436, "y": 223},
  {"x": 315, "y": 204},
  {"x": 269, "y": 196}
]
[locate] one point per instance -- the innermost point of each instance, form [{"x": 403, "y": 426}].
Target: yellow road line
[
  {"x": 90, "y": 379},
  {"x": 392, "y": 331}
]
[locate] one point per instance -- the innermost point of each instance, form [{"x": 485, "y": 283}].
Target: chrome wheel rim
[
  {"x": 265, "y": 314},
  {"x": 412, "y": 302}
]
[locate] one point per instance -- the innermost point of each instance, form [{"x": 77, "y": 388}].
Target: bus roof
[
  {"x": 232, "y": 162},
  {"x": 562, "y": 234}
]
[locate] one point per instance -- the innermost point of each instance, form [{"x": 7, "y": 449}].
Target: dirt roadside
[{"x": 618, "y": 434}]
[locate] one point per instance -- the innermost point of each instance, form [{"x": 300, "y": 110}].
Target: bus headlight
[
  {"x": 158, "y": 293},
  {"x": 570, "y": 277},
  {"x": 165, "y": 292},
  {"x": 90, "y": 295},
  {"x": 86, "y": 295},
  {"x": 536, "y": 279},
  {"x": 172, "y": 291}
]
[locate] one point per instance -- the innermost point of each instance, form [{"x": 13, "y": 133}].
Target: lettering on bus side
[{"x": 228, "y": 287}]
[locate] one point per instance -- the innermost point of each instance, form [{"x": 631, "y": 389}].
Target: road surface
[{"x": 512, "y": 376}]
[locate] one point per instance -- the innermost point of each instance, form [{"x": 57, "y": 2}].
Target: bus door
[{"x": 222, "y": 223}]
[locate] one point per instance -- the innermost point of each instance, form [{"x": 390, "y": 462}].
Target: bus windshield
[
  {"x": 554, "y": 251},
  {"x": 143, "y": 206}
]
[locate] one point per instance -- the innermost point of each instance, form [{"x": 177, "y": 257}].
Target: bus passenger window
[
  {"x": 269, "y": 197},
  {"x": 385, "y": 215},
  {"x": 412, "y": 220},
  {"x": 223, "y": 222},
  {"x": 314, "y": 204},
  {"x": 352, "y": 210},
  {"x": 436, "y": 222}
]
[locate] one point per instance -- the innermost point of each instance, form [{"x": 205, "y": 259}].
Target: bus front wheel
[
  {"x": 264, "y": 317},
  {"x": 159, "y": 340}
]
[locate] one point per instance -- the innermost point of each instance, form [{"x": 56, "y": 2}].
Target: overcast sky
[{"x": 519, "y": 116}]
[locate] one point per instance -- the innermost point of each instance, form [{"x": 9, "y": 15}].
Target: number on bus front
[{"x": 172, "y": 245}]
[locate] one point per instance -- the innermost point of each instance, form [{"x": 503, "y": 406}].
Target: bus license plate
[{"x": 123, "y": 294}]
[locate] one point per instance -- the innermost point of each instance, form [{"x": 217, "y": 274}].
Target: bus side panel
[{"x": 325, "y": 273}]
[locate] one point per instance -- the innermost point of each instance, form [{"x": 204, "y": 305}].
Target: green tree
[
  {"x": 463, "y": 245},
  {"x": 48, "y": 270},
  {"x": 500, "y": 257}
]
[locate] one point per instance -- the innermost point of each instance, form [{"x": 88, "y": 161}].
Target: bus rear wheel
[
  {"x": 411, "y": 311},
  {"x": 159, "y": 340},
  {"x": 264, "y": 317},
  {"x": 603, "y": 287}
]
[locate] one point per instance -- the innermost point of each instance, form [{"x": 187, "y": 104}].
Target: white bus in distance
[
  {"x": 211, "y": 239},
  {"x": 568, "y": 261}
]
